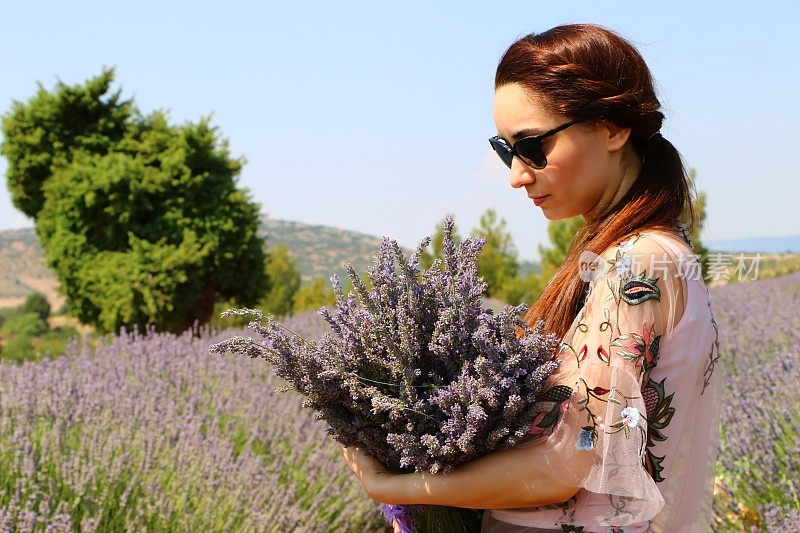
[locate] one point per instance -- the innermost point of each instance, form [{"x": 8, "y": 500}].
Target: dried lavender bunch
[{"x": 414, "y": 370}]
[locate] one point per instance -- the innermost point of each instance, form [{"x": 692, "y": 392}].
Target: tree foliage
[
  {"x": 699, "y": 210},
  {"x": 28, "y": 324},
  {"x": 36, "y": 303},
  {"x": 140, "y": 219},
  {"x": 561, "y": 233},
  {"x": 284, "y": 277},
  {"x": 498, "y": 261},
  {"x": 44, "y": 132},
  {"x": 314, "y": 295}
]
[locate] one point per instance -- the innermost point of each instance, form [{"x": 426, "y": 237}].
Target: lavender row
[
  {"x": 760, "y": 345},
  {"x": 150, "y": 433}
]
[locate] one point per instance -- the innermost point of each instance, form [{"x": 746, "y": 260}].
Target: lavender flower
[
  {"x": 401, "y": 515},
  {"x": 414, "y": 370}
]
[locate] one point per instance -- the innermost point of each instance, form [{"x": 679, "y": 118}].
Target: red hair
[{"x": 587, "y": 71}]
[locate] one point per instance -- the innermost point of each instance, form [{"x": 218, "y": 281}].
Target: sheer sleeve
[{"x": 591, "y": 431}]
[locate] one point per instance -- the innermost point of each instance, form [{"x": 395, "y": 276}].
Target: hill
[
  {"x": 22, "y": 269},
  {"x": 319, "y": 251}
]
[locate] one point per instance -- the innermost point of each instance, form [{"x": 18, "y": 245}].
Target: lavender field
[
  {"x": 758, "y": 483},
  {"x": 149, "y": 433}
]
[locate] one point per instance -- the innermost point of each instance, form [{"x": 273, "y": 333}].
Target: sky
[{"x": 375, "y": 118}]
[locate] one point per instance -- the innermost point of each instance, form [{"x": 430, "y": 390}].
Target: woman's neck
[{"x": 620, "y": 182}]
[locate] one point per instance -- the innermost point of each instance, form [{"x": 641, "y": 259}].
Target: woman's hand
[{"x": 370, "y": 472}]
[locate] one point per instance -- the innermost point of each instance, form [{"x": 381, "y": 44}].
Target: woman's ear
[{"x": 615, "y": 136}]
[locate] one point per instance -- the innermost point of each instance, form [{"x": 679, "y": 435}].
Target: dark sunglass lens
[
  {"x": 503, "y": 151},
  {"x": 530, "y": 150}
]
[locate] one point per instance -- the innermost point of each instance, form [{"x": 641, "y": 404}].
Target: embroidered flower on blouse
[
  {"x": 630, "y": 416},
  {"x": 616, "y": 529},
  {"x": 623, "y": 265},
  {"x": 586, "y": 440}
]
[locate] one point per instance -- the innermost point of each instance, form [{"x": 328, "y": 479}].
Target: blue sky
[{"x": 375, "y": 118}]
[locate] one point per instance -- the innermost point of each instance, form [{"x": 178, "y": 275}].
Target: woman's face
[{"x": 584, "y": 173}]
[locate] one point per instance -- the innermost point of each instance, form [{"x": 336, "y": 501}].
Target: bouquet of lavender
[{"x": 414, "y": 371}]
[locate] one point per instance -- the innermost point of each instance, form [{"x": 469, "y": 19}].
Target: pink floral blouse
[{"x": 631, "y": 413}]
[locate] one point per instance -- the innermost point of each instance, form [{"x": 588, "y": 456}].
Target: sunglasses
[{"x": 528, "y": 149}]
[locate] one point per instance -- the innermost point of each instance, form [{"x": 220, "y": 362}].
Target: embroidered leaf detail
[
  {"x": 653, "y": 465},
  {"x": 639, "y": 289},
  {"x": 603, "y": 355},
  {"x": 654, "y": 345},
  {"x": 582, "y": 354},
  {"x": 559, "y": 393},
  {"x": 660, "y": 410},
  {"x": 659, "y": 415},
  {"x": 550, "y": 418},
  {"x": 628, "y": 356}
]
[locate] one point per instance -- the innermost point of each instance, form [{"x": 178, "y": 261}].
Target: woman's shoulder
[
  {"x": 649, "y": 266},
  {"x": 654, "y": 251},
  {"x": 671, "y": 242}
]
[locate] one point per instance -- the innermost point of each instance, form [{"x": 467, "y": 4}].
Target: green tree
[
  {"x": 560, "y": 233},
  {"x": 284, "y": 279},
  {"x": 27, "y": 324},
  {"x": 699, "y": 210},
  {"x": 44, "y": 133},
  {"x": 37, "y": 303},
  {"x": 520, "y": 289},
  {"x": 498, "y": 262},
  {"x": 314, "y": 295},
  {"x": 141, "y": 220}
]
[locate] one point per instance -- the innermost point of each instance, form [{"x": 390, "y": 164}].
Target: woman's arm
[{"x": 501, "y": 480}]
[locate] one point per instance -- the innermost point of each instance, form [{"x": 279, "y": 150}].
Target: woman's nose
[{"x": 521, "y": 174}]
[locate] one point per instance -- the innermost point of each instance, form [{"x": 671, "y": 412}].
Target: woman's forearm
[{"x": 501, "y": 480}]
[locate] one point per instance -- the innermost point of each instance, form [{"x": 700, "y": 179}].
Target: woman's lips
[{"x": 539, "y": 200}]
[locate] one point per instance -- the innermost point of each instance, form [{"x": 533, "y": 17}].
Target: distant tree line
[{"x": 25, "y": 330}]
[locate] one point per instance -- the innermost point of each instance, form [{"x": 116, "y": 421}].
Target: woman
[{"x": 626, "y": 434}]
